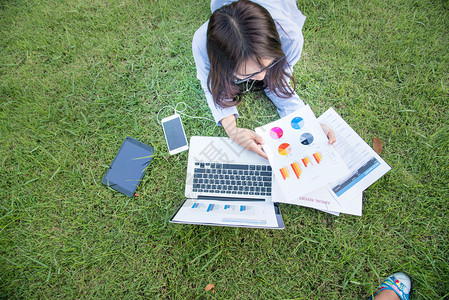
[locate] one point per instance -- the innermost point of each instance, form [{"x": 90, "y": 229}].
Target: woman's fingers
[
  {"x": 257, "y": 138},
  {"x": 257, "y": 146},
  {"x": 329, "y": 133},
  {"x": 331, "y": 136},
  {"x": 251, "y": 141},
  {"x": 258, "y": 149}
]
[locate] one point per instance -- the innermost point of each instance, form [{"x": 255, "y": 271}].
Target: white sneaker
[{"x": 399, "y": 283}]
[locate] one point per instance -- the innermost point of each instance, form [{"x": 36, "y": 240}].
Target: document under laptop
[{"x": 227, "y": 185}]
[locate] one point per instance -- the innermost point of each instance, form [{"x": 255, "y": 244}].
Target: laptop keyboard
[{"x": 232, "y": 179}]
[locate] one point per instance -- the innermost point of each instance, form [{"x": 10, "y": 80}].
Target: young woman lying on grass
[{"x": 247, "y": 46}]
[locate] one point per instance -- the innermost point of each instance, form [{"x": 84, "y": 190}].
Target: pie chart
[
  {"x": 276, "y": 133},
  {"x": 297, "y": 123},
  {"x": 306, "y": 139},
  {"x": 285, "y": 149}
]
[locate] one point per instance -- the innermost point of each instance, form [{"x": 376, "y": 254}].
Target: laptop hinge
[{"x": 217, "y": 198}]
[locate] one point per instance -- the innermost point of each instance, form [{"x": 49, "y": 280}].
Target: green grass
[{"x": 77, "y": 77}]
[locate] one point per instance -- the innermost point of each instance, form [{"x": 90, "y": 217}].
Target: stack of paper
[{"x": 312, "y": 173}]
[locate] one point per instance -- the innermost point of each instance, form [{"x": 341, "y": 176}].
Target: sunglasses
[{"x": 238, "y": 81}]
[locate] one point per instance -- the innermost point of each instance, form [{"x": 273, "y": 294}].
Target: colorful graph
[
  {"x": 317, "y": 157},
  {"x": 306, "y": 139},
  {"x": 297, "y": 123},
  {"x": 306, "y": 161},
  {"x": 285, "y": 149},
  {"x": 276, "y": 133},
  {"x": 210, "y": 207},
  {"x": 296, "y": 169},
  {"x": 284, "y": 173}
]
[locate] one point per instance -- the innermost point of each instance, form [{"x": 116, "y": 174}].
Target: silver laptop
[{"x": 227, "y": 185}]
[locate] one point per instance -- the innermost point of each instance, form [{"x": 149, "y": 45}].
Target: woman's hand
[
  {"x": 329, "y": 133},
  {"x": 246, "y": 138}
]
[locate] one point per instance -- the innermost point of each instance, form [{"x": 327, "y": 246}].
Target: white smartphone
[{"x": 174, "y": 134}]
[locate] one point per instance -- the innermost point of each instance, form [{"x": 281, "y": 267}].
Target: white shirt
[{"x": 286, "y": 14}]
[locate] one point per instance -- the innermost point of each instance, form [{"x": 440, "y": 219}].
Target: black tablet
[{"x": 128, "y": 166}]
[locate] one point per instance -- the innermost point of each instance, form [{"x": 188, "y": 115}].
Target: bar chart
[
  {"x": 317, "y": 157},
  {"x": 296, "y": 169},
  {"x": 284, "y": 173},
  {"x": 306, "y": 161},
  {"x": 228, "y": 209}
]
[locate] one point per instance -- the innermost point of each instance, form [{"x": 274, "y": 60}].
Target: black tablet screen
[{"x": 129, "y": 166}]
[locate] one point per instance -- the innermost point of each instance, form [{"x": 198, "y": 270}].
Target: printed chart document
[
  {"x": 365, "y": 165},
  {"x": 227, "y": 213},
  {"x": 300, "y": 155}
]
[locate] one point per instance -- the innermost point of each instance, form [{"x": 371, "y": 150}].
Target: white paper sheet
[
  {"x": 323, "y": 200},
  {"x": 365, "y": 165},
  {"x": 232, "y": 213},
  {"x": 299, "y": 154}
]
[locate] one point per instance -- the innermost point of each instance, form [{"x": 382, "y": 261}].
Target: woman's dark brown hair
[{"x": 237, "y": 33}]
